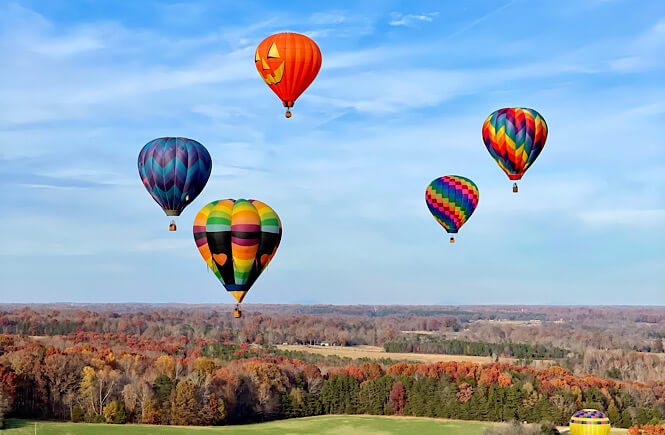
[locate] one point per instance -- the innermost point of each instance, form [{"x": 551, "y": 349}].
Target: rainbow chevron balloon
[
  {"x": 237, "y": 239},
  {"x": 589, "y": 422},
  {"x": 451, "y": 200},
  {"x": 174, "y": 170},
  {"x": 514, "y": 138}
]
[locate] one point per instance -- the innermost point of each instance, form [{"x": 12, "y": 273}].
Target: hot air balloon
[
  {"x": 451, "y": 199},
  {"x": 174, "y": 170},
  {"x": 288, "y": 63},
  {"x": 589, "y": 422},
  {"x": 515, "y": 137},
  {"x": 237, "y": 239}
]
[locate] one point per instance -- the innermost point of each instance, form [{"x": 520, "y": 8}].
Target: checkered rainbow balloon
[{"x": 451, "y": 199}]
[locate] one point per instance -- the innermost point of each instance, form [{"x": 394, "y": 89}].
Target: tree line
[{"x": 431, "y": 344}]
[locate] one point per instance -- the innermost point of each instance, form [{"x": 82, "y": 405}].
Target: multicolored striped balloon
[
  {"x": 589, "y": 422},
  {"x": 451, "y": 199},
  {"x": 514, "y": 138},
  {"x": 174, "y": 170},
  {"x": 237, "y": 239}
]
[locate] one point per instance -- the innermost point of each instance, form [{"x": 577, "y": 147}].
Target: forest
[{"x": 196, "y": 366}]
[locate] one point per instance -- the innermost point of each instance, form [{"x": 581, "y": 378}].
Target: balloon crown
[{"x": 589, "y": 416}]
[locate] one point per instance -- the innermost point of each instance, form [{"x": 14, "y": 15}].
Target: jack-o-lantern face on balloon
[
  {"x": 271, "y": 65},
  {"x": 288, "y": 63}
]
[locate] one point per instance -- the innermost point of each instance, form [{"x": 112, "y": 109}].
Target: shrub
[
  {"x": 77, "y": 414},
  {"x": 549, "y": 429},
  {"x": 114, "y": 412}
]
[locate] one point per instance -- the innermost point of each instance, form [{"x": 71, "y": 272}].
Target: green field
[{"x": 332, "y": 425}]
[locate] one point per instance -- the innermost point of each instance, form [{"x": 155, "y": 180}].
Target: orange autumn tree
[
  {"x": 647, "y": 429},
  {"x": 465, "y": 392}
]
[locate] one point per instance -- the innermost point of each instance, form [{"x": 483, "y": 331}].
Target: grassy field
[
  {"x": 326, "y": 425},
  {"x": 375, "y": 352}
]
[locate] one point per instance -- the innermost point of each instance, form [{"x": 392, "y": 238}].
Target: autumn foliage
[
  {"x": 647, "y": 429},
  {"x": 156, "y": 368}
]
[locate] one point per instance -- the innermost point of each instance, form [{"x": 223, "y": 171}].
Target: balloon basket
[
  {"x": 452, "y": 239},
  {"x": 172, "y": 226},
  {"x": 237, "y": 313},
  {"x": 288, "y": 113},
  {"x": 515, "y": 189}
]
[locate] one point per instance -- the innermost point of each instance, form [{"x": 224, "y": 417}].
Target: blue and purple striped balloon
[{"x": 174, "y": 170}]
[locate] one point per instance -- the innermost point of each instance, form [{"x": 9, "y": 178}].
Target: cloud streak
[{"x": 411, "y": 19}]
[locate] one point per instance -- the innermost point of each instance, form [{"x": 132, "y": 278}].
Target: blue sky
[{"x": 400, "y": 100}]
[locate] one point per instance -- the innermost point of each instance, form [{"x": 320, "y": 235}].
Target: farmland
[{"x": 376, "y": 352}]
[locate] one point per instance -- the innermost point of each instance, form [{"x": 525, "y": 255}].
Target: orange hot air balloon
[{"x": 288, "y": 63}]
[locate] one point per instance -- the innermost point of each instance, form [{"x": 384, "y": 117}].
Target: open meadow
[
  {"x": 347, "y": 425},
  {"x": 376, "y": 352},
  {"x": 327, "y": 425}
]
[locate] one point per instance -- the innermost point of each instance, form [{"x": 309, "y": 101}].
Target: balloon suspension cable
[
  {"x": 288, "y": 113},
  {"x": 452, "y": 239},
  {"x": 515, "y": 189}
]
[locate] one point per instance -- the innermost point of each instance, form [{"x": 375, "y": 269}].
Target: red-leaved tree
[{"x": 398, "y": 398}]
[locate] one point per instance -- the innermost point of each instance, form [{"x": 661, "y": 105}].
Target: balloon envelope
[
  {"x": 589, "y": 422},
  {"x": 451, "y": 199},
  {"x": 174, "y": 170},
  {"x": 288, "y": 63},
  {"x": 514, "y": 138},
  {"x": 237, "y": 239}
]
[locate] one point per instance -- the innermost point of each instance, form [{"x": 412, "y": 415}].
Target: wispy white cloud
[
  {"x": 641, "y": 54},
  {"x": 376, "y": 91},
  {"x": 411, "y": 19},
  {"x": 67, "y": 46},
  {"x": 349, "y": 60},
  {"x": 50, "y": 186},
  {"x": 81, "y": 95},
  {"x": 337, "y": 25}
]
